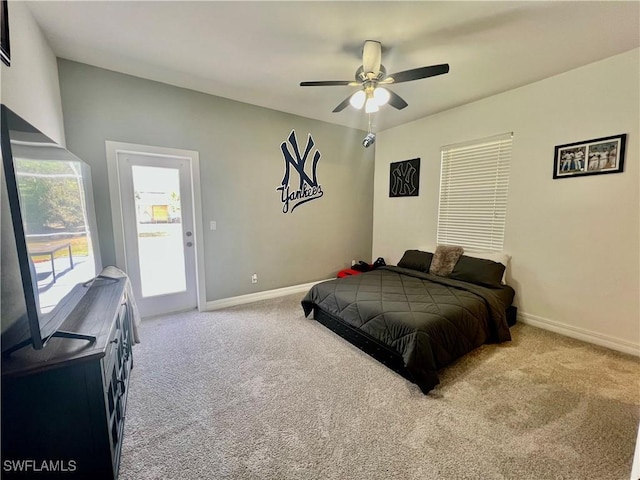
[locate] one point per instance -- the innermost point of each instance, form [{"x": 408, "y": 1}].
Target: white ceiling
[{"x": 259, "y": 52}]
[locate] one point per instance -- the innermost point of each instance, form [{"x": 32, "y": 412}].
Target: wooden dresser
[{"x": 63, "y": 407}]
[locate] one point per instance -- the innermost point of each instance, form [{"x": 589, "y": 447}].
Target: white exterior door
[{"x": 156, "y": 200}]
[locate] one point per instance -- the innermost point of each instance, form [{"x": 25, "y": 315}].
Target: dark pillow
[
  {"x": 444, "y": 259},
  {"x": 416, "y": 260},
  {"x": 479, "y": 271}
]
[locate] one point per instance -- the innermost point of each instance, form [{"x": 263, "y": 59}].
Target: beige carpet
[{"x": 260, "y": 392}]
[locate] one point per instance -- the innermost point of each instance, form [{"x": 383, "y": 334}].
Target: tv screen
[{"x": 49, "y": 248}]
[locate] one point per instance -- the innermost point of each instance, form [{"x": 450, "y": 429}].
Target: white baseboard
[
  {"x": 255, "y": 297},
  {"x": 580, "y": 334}
]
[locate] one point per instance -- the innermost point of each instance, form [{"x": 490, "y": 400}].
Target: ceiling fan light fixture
[
  {"x": 357, "y": 99},
  {"x": 371, "y": 106},
  {"x": 371, "y": 74},
  {"x": 381, "y": 96}
]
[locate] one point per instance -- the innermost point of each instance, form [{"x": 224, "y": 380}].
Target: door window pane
[{"x": 159, "y": 229}]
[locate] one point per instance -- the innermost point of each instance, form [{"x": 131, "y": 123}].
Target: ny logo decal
[
  {"x": 308, "y": 186},
  {"x": 298, "y": 162}
]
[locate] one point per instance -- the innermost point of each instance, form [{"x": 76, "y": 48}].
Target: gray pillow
[
  {"x": 416, "y": 260},
  {"x": 479, "y": 271},
  {"x": 444, "y": 259}
]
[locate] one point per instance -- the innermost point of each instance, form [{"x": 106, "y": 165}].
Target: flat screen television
[{"x": 49, "y": 250}]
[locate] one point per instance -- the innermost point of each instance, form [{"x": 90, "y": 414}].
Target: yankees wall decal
[
  {"x": 404, "y": 178},
  {"x": 307, "y": 188}
]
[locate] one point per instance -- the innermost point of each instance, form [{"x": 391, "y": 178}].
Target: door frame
[{"x": 112, "y": 150}]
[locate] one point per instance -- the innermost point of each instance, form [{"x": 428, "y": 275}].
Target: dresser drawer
[{"x": 116, "y": 340}]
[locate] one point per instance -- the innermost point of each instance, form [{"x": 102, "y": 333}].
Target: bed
[{"x": 414, "y": 320}]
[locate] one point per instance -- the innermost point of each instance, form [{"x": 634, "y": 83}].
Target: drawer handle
[{"x": 115, "y": 341}]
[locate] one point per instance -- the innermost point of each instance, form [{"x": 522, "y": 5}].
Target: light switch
[{"x": 213, "y": 225}]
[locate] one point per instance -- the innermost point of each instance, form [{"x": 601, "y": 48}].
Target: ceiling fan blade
[
  {"x": 396, "y": 101},
  {"x": 418, "y": 73},
  {"x": 371, "y": 56},
  {"x": 327, "y": 83},
  {"x": 343, "y": 105}
]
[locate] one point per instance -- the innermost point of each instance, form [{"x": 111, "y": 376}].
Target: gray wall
[{"x": 240, "y": 166}]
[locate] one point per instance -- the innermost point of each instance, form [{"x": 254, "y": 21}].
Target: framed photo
[
  {"x": 591, "y": 157},
  {"x": 404, "y": 178},
  {"x": 5, "y": 51}
]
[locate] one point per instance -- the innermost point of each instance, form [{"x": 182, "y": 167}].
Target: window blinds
[{"x": 474, "y": 182}]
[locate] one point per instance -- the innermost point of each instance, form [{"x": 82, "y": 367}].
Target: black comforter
[{"x": 428, "y": 320}]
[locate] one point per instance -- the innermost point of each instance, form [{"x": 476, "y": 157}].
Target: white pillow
[{"x": 499, "y": 257}]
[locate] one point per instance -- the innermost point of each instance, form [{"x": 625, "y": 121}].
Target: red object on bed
[{"x": 346, "y": 272}]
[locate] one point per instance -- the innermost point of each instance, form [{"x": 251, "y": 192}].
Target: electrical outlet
[{"x": 254, "y": 278}]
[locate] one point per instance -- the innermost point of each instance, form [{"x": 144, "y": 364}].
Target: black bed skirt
[
  {"x": 364, "y": 342},
  {"x": 512, "y": 314}
]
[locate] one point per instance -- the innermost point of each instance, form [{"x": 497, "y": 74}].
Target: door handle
[
  {"x": 189, "y": 244},
  {"x": 188, "y": 234}
]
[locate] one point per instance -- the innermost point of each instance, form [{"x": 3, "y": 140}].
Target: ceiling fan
[{"x": 372, "y": 78}]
